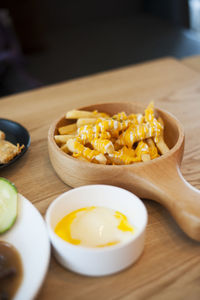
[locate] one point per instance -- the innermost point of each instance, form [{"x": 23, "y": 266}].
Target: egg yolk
[{"x": 94, "y": 227}]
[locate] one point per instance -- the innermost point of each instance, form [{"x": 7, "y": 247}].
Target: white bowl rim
[{"x": 91, "y": 249}]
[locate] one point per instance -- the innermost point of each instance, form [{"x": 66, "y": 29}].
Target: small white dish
[
  {"x": 105, "y": 260},
  {"x": 29, "y": 236}
]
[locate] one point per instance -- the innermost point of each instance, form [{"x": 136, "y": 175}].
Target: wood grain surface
[
  {"x": 192, "y": 62},
  {"x": 181, "y": 199},
  {"x": 170, "y": 265}
]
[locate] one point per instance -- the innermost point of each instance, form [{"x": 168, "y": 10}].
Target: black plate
[{"x": 16, "y": 134}]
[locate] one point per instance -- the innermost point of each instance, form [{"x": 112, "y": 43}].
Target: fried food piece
[
  {"x": 118, "y": 139},
  {"x": 8, "y": 151},
  {"x": 150, "y": 118},
  {"x": 68, "y": 129},
  {"x": 2, "y": 135},
  {"x": 134, "y": 118},
  {"x": 77, "y": 114},
  {"x": 88, "y": 132},
  {"x": 153, "y": 151},
  {"x": 124, "y": 156},
  {"x": 113, "y": 125},
  {"x": 160, "y": 143},
  {"x": 62, "y": 139},
  {"x": 142, "y": 151},
  {"x": 64, "y": 148},
  {"x": 85, "y": 121},
  {"x": 78, "y": 150},
  {"x": 122, "y": 116},
  {"x": 103, "y": 145},
  {"x": 136, "y": 134}
]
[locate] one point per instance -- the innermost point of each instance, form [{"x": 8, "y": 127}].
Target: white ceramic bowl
[{"x": 98, "y": 261}]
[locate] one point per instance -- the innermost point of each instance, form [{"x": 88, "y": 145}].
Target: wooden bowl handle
[{"x": 181, "y": 199}]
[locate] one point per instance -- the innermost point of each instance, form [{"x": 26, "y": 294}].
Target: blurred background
[{"x": 43, "y": 42}]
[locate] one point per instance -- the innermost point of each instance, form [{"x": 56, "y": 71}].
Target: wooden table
[
  {"x": 192, "y": 62},
  {"x": 170, "y": 265}
]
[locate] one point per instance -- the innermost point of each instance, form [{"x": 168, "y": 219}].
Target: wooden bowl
[{"x": 159, "y": 179}]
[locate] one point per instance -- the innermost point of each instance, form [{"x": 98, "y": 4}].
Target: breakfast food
[
  {"x": 95, "y": 227},
  {"x": 8, "y": 150},
  {"x": 119, "y": 139},
  {"x": 8, "y": 204},
  {"x": 2, "y": 135}
]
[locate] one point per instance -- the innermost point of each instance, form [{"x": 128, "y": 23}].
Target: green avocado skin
[{"x": 5, "y": 183}]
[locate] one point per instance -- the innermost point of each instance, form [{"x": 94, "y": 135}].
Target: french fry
[
  {"x": 142, "y": 151},
  {"x": 160, "y": 120},
  {"x": 76, "y": 147},
  {"x": 65, "y": 148},
  {"x": 152, "y": 148},
  {"x": 150, "y": 143},
  {"x": 62, "y": 139},
  {"x": 137, "y": 119},
  {"x": 113, "y": 125},
  {"x": 119, "y": 139},
  {"x": 77, "y": 114},
  {"x": 149, "y": 112},
  {"x": 160, "y": 143},
  {"x": 68, "y": 129},
  {"x": 120, "y": 116},
  {"x": 136, "y": 134},
  {"x": 85, "y": 121},
  {"x": 88, "y": 132},
  {"x": 103, "y": 145},
  {"x": 81, "y": 158},
  {"x": 124, "y": 156},
  {"x": 145, "y": 157},
  {"x": 71, "y": 145}
]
